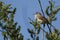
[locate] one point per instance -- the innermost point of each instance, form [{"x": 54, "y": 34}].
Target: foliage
[
  {"x": 9, "y": 28},
  {"x": 34, "y": 32},
  {"x": 51, "y": 16},
  {"x": 11, "y": 31},
  {"x": 53, "y": 36}
]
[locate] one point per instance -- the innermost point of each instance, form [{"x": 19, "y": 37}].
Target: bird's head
[{"x": 37, "y": 14}]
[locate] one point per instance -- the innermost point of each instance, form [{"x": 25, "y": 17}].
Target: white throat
[{"x": 36, "y": 17}]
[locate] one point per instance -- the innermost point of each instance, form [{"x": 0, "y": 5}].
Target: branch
[
  {"x": 43, "y": 16},
  {"x": 43, "y": 30},
  {"x": 41, "y": 7},
  {"x": 1, "y": 31}
]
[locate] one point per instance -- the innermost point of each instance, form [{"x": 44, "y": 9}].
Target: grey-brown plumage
[{"x": 42, "y": 19}]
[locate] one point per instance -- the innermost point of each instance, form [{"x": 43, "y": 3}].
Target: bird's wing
[{"x": 43, "y": 19}]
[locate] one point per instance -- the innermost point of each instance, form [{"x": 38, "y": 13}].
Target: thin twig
[
  {"x": 41, "y": 7},
  {"x": 43, "y": 15},
  {"x": 43, "y": 33},
  {"x": 49, "y": 28},
  {"x": 1, "y": 31},
  {"x": 43, "y": 30}
]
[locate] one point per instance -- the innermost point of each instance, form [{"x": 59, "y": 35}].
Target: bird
[{"x": 41, "y": 19}]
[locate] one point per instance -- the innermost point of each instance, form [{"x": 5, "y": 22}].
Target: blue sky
[{"x": 25, "y": 9}]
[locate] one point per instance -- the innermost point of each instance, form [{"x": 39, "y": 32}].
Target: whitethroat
[{"x": 42, "y": 19}]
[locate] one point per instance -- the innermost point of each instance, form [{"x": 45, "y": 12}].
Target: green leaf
[
  {"x": 38, "y": 29},
  {"x": 5, "y": 8},
  {"x": 3, "y": 33},
  {"x": 31, "y": 31},
  {"x": 47, "y": 11},
  {"x": 21, "y": 36},
  {"x": 54, "y": 19},
  {"x": 18, "y": 29},
  {"x": 14, "y": 10},
  {"x": 31, "y": 35},
  {"x": 51, "y": 5},
  {"x": 54, "y": 12},
  {"x": 49, "y": 19},
  {"x": 37, "y": 38},
  {"x": 56, "y": 31}
]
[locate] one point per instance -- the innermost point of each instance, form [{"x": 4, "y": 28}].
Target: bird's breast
[{"x": 39, "y": 20}]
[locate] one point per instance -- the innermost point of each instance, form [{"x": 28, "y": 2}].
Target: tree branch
[{"x": 41, "y": 7}]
